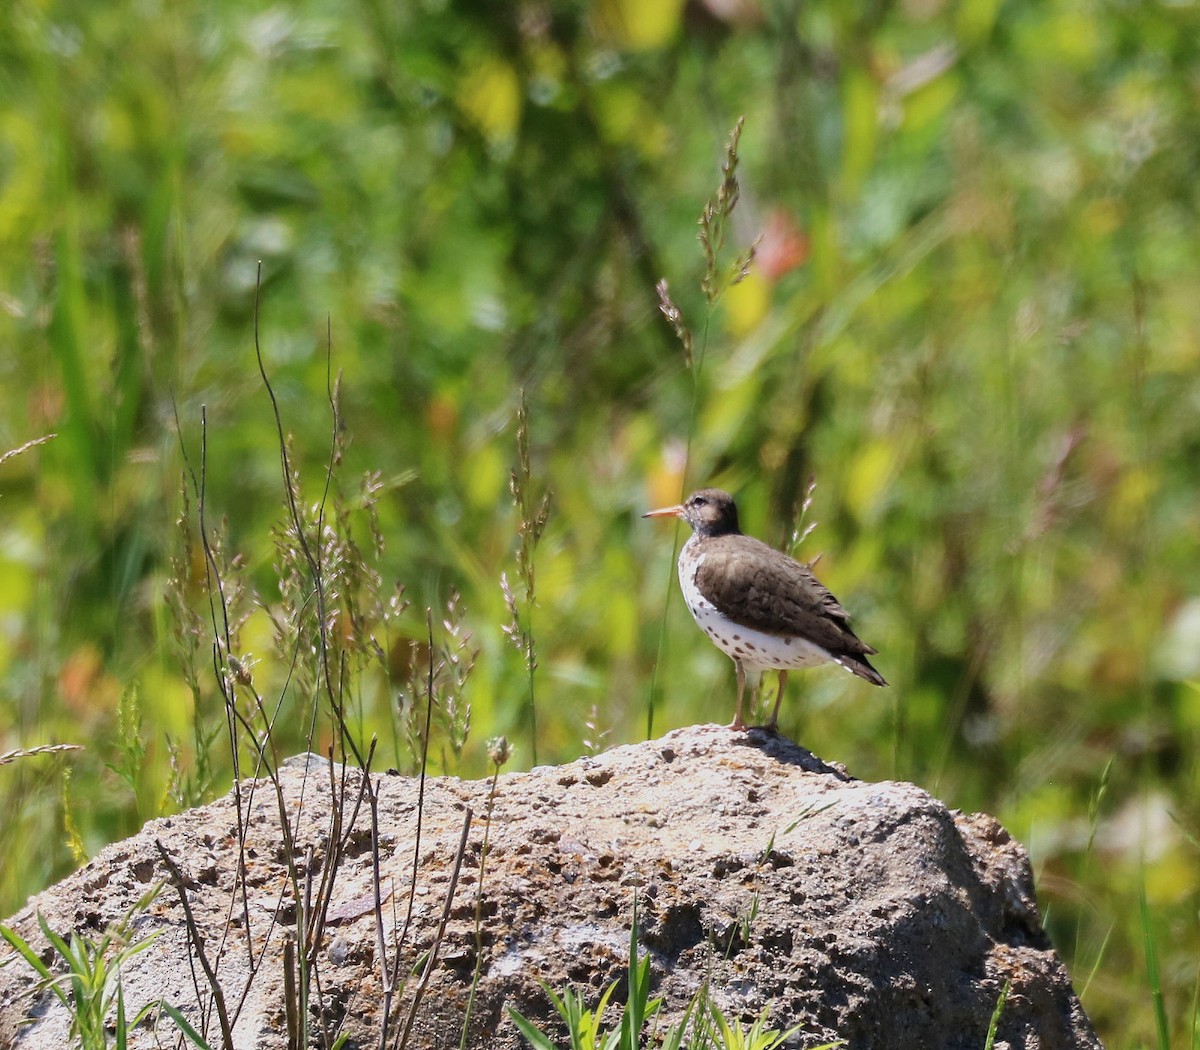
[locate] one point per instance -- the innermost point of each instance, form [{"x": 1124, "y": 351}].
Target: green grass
[
  {"x": 997, "y": 1014},
  {"x": 90, "y": 985},
  {"x": 701, "y": 1026},
  {"x": 972, "y": 321}
]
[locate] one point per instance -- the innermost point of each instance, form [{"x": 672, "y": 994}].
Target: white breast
[{"x": 755, "y": 650}]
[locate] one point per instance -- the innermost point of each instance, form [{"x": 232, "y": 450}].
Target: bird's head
[{"x": 710, "y": 512}]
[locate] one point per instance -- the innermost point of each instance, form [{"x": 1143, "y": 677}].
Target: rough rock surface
[{"x": 865, "y": 912}]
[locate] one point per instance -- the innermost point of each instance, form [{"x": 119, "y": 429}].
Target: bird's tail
[{"x": 858, "y": 664}]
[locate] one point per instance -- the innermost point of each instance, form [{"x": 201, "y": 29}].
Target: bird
[{"x": 762, "y": 608}]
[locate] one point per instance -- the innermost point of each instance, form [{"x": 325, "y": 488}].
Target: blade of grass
[
  {"x": 994, "y": 1023},
  {"x": 1152, "y": 972}
]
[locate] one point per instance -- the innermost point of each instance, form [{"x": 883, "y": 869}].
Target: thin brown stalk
[
  {"x": 392, "y": 979},
  {"x": 431, "y": 960},
  {"x": 220, "y": 632},
  {"x": 498, "y": 753},
  {"x": 197, "y": 943},
  {"x": 291, "y": 1013},
  {"x": 312, "y": 559}
]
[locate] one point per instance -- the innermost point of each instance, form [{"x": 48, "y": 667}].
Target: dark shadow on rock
[{"x": 780, "y": 748}]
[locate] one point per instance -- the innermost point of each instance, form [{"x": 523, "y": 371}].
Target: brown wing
[{"x": 760, "y": 587}]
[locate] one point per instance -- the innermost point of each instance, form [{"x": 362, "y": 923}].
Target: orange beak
[{"x": 665, "y": 512}]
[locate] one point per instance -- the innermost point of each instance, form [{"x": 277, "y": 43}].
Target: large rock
[{"x": 865, "y": 912}]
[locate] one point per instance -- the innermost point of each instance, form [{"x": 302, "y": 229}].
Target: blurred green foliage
[{"x": 973, "y": 319}]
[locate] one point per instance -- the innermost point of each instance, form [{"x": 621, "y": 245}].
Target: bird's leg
[
  {"x": 778, "y": 699},
  {"x": 737, "y": 722}
]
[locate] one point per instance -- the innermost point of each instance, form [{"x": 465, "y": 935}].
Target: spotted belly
[{"x": 754, "y": 650}]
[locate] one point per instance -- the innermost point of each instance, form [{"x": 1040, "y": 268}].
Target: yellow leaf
[
  {"x": 491, "y": 97},
  {"x": 167, "y": 699},
  {"x": 860, "y": 108},
  {"x": 1132, "y": 496},
  {"x": 746, "y": 304},
  {"x": 638, "y": 25},
  {"x": 868, "y": 477}
]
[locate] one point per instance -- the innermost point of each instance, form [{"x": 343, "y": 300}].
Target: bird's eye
[{"x": 699, "y": 501}]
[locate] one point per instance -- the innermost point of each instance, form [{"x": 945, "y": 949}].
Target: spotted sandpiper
[{"x": 760, "y": 607}]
